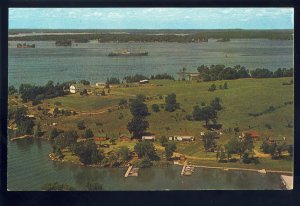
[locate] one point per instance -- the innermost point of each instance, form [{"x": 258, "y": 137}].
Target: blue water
[
  {"x": 90, "y": 60},
  {"x": 29, "y": 168}
]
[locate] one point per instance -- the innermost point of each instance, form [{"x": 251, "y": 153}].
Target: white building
[
  {"x": 148, "y": 138},
  {"x": 144, "y": 81},
  {"x": 182, "y": 138},
  {"x": 75, "y": 88}
]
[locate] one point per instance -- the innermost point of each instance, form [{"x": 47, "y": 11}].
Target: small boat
[
  {"x": 262, "y": 171},
  {"x": 126, "y": 52}
]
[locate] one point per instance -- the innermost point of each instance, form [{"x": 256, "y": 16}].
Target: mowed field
[{"x": 243, "y": 96}]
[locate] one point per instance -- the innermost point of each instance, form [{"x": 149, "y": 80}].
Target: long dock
[
  {"x": 262, "y": 171},
  {"x": 128, "y": 171},
  {"x": 21, "y": 137},
  {"x": 132, "y": 172}
]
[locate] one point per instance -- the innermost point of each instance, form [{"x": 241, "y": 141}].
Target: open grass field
[{"x": 242, "y": 97}]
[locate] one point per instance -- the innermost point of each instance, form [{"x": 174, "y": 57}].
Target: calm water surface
[
  {"x": 90, "y": 60},
  {"x": 29, "y": 168}
]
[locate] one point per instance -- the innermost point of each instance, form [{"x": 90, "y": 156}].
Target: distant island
[{"x": 181, "y": 36}]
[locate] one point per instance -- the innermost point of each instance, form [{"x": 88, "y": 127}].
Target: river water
[
  {"x": 91, "y": 61},
  {"x": 29, "y": 168}
]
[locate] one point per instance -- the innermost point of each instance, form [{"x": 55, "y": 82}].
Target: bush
[
  {"x": 144, "y": 163},
  {"x": 81, "y": 125},
  {"x": 212, "y": 88},
  {"x": 155, "y": 108},
  {"x": 268, "y": 126},
  {"x": 89, "y": 133}
]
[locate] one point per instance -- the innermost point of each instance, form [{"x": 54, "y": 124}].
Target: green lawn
[{"x": 243, "y": 96}]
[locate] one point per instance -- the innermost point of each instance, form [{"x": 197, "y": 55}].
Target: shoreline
[{"x": 262, "y": 171}]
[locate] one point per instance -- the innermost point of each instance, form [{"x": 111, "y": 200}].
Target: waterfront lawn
[{"x": 265, "y": 163}]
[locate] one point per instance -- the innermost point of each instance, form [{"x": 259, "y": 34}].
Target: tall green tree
[
  {"x": 209, "y": 141},
  {"x": 124, "y": 153},
  {"x": 170, "y": 149},
  {"x": 138, "y": 108},
  {"x": 216, "y": 104},
  {"x": 145, "y": 149},
  {"x": 206, "y": 114},
  {"x": 137, "y": 126},
  {"x": 171, "y": 104},
  {"x": 88, "y": 133}
]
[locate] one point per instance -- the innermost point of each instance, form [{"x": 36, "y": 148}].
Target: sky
[{"x": 151, "y": 18}]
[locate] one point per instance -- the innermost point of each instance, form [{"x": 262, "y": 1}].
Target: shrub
[
  {"x": 155, "y": 108},
  {"x": 81, "y": 125}
]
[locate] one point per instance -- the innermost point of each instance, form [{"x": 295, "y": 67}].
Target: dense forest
[{"x": 153, "y": 35}]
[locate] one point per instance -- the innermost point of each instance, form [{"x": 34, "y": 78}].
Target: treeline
[
  {"x": 30, "y": 92},
  {"x": 142, "y": 36},
  {"x": 162, "y": 76},
  {"x": 221, "y": 72},
  {"x": 139, "y": 77}
]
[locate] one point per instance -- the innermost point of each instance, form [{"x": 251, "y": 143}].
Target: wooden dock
[
  {"x": 21, "y": 137},
  {"x": 187, "y": 170},
  {"x": 132, "y": 172}
]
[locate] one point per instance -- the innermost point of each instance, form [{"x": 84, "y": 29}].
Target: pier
[
  {"x": 21, "y": 137},
  {"x": 132, "y": 172},
  {"x": 187, "y": 170}
]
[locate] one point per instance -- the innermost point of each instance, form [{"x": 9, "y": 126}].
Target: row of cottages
[
  {"x": 77, "y": 88},
  {"x": 182, "y": 138}
]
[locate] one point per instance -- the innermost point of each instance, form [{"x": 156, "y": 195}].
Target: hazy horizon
[{"x": 151, "y": 18}]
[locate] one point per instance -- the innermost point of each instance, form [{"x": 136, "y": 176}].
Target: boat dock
[
  {"x": 132, "y": 172},
  {"x": 187, "y": 170},
  {"x": 21, "y": 137},
  {"x": 287, "y": 181}
]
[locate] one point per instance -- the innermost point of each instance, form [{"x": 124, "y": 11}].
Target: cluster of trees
[
  {"x": 24, "y": 124},
  {"x": 170, "y": 147},
  {"x": 113, "y": 80},
  {"x": 221, "y": 72},
  {"x": 139, "y": 110},
  {"x": 12, "y": 90},
  {"x": 207, "y": 113},
  {"x": 244, "y": 147},
  {"x": 135, "y": 78},
  {"x": 85, "y": 82},
  {"x": 275, "y": 149},
  {"x": 213, "y": 87},
  {"x": 265, "y": 73},
  {"x": 162, "y": 76},
  {"x": 30, "y": 92},
  {"x": 65, "y": 112},
  {"x": 146, "y": 152}
]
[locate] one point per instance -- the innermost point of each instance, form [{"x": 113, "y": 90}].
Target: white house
[
  {"x": 74, "y": 88},
  {"x": 144, "y": 81},
  {"x": 148, "y": 138}
]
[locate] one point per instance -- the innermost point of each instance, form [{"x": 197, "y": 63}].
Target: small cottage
[
  {"x": 252, "y": 134},
  {"x": 144, "y": 81},
  {"x": 148, "y": 138},
  {"x": 77, "y": 88},
  {"x": 124, "y": 138}
]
